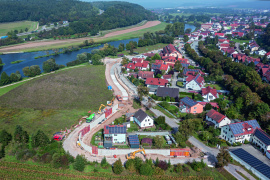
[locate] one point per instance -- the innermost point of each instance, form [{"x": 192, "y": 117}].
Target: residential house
[
  {"x": 140, "y": 66},
  {"x": 217, "y": 118},
  {"x": 154, "y": 83},
  {"x": 224, "y": 46},
  {"x": 261, "y": 140},
  {"x": 194, "y": 82},
  {"x": 188, "y": 105},
  {"x": 268, "y": 55},
  {"x": 213, "y": 104},
  {"x": 219, "y": 34},
  {"x": 239, "y": 132},
  {"x": 114, "y": 134},
  {"x": 143, "y": 120},
  {"x": 167, "y": 76},
  {"x": 171, "y": 92},
  {"x": 170, "y": 50},
  {"x": 145, "y": 74},
  {"x": 209, "y": 94},
  {"x": 192, "y": 72},
  {"x": 266, "y": 76},
  {"x": 160, "y": 66},
  {"x": 137, "y": 60}
]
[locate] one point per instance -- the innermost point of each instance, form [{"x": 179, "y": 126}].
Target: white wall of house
[
  {"x": 209, "y": 97},
  {"x": 223, "y": 122},
  {"x": 193, "y": 85},
  {"x": 147, "y": 122},
  {"x": 227, "y": 134},
  {"x": 119, "y": 138},
  {"x": 258, "y": 142}
]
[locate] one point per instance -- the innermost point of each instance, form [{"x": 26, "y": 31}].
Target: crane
[
  {"x": 99, "y": 111},
  {"x": 132, "y": 155}
]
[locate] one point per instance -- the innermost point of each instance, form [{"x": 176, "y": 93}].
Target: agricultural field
[
  {"x": 6, "y": 27},
  {"x": 55, "y": 101}
]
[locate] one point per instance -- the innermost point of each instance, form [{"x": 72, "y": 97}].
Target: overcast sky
[{"x": 178, "y": 3}]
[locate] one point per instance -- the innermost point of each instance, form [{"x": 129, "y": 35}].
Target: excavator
[
  {"x": 132, "y": 155},
  {"x": 110, "y": 103},
  {"x": 99, "y": 111}
]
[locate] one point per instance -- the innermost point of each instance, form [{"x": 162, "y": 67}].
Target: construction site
[{"x": 79, "y": 140}]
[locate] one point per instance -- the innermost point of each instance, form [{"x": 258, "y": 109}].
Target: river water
[{"x": 61, "y": 59}]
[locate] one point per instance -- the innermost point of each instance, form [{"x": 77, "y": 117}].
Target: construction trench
[{"x": 78, "y": 141}]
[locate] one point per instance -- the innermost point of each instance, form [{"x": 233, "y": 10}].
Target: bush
[
  {"x": 79, "y": 164},
  {"x": 138, "y": 163},
  {"x": 239, "y": 144},
  {"x": 145, "y": 144},
  {"x": 163, "y": 165},
  {"x": 246, "y": 142},
  {"x": 117, "y": 167},
  {"x": 234, "y": 144},
  {"x": 159, "y": 171},
  {"x": 177, "y": 168},
  {"x": 164, "y": 104},
  {"x": 146, "y": 170},
  {"x": 104, "y": 162},
  {"x": 130, "y": 165}
]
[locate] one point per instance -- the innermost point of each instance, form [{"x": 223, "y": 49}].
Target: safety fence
[{"x": 84, "y": 130}]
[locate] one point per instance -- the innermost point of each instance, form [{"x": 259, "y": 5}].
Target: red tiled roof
[
  {"x": 268, "y": 53},
  {"x": 264, "y": 70},
  {"x": 146, "y": 74},
  {"x": 216, "y": 116},
  {"x": 224, "y": 45},
  {"x": 219, "y": 34},
  {"x": 156, "y": 81},
  {"x": 137, "y": 60},
  {"x": 208, "y": 90},
  {"x": 167, "y": 76},
  {"x": 159, "y": 61},
  {"x": 213, "y": 104}
]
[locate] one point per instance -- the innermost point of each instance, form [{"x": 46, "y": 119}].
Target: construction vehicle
[
  {"x": 99, "y": 111},
  {"x": 132, "y": 155},
  {"x": 90, "y": 118},
  {"x": 109, "y": 103},
  {"x": 119, "y": 98},
  {"x": 58, "y": 136}
]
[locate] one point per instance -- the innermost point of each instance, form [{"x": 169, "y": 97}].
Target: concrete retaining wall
[
  {"x": 109, "y": 152},
  {"x": 162, "y": 133},
  {"x": 123, "y": 91},
  {"x": 87, "y": 148}
]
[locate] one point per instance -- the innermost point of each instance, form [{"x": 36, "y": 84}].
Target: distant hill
[{"x": 45, "y": 10}]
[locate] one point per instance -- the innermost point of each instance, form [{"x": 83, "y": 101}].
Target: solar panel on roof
[
  {"x": 133, "y": 139},
  {"x": 262, "y": 136}
]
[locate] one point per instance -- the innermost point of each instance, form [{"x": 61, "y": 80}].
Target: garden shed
[
  {"x": 148, "y": 141},
  {"x": 134, "y": 141}
]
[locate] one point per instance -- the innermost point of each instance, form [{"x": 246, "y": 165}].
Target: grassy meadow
[
  {"x": 55, "y": 101},
  {"x": 6, "y": 27}
]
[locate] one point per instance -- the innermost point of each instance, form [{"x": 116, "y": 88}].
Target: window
[
  {"x": 115, "y": 134},
  {"x": 231, "y": 136},
  {"x": 150, "y": 124},
  {"x": 195, "y": 107},
  {"x": 194, "y": 111}
]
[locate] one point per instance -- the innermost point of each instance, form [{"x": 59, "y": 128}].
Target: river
[
  {"x": 61, "y": 59},
  {"x": 189, "y": 26}
]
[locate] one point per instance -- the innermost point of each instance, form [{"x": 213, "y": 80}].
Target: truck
[
  {"x": 119, "y": 98},
  {"x": 90, "y": 118}
]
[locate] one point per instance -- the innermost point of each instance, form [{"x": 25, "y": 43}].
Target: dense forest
[
  {"x": 45, "y": 11},
  {"x": 83, "y": 16}
]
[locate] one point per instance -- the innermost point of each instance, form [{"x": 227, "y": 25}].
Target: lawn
[
  {"x": 136, "y": 104},
  {"x": 218, "y": 87},
  {"x": 133, "y": 127},
  {"x": 97, "y": 137},
  {"x": 9, "y": 88},
  {"x": 184, "y": 94},
  {"x": 180, "y": 84},
  {"x": 163, "y": 111},
  {"x": 145, "y": 49},
  {"x": 240, "y": 41},
  {"x": 6, "y": 27},
  {"x": 55, "y": 101}
]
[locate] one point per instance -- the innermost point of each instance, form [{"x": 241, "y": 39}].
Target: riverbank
[{"x": 150, "y": 26}]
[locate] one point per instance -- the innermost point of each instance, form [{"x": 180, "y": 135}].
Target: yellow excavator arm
[
  {"x": 99, "y": 111},
  {"x": 132, "y": 155}
]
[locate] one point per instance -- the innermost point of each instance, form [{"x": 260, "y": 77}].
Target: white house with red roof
[
  {"x": 268, "y": 55},
  {"x": 224, "y": 45},
  {"x": 266, "y": 76},
  {"x": 239, "y": 132},
  {"x": 141, "y": 66},
  {"x": 170, "y": 50},
  {"x": 219, "y": 34},
  {"x": 156, "y": 82},
  {"x": 160, "y": 66},
  {"x": 209, "y": 94},
  {"x": 137, "y": 60},
  {"x": 262, "y": 140},
  {"x": 217, "y": 118},
  {"x": 194, "y": 82},
  {"x": 167, "y": 76}
]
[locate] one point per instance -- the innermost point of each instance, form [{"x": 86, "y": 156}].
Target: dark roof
[
  {"x": 260, "y": 134},
  {"x": 164, "y": 92},
  {"x": 115, "y": 129},
  {"x": 140, "y": 115},
  {"x": 191, "y": 70},
  {"x": 215, "y": 115},
  {"x": 188, "y": 101},
  {"x": 133, "y": 139},
  {"x": 252, "y": 161}
]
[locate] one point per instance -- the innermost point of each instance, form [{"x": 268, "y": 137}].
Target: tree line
[{"x": 247, "y": 103}]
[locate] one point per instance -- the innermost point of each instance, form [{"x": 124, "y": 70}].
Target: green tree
[
  {"x": 34, "y": 70},
  {"x": 130, "y": 165},
  {"x": 159, "y": 141},
  {"x": 223, "y": 157},
  {"x": 5, "y": 137},
  {"x": 124, "y": 61},
  {"x": 186, "y": 38},
  {"x": 156, "y": 57},
  {"x": 178, "y": 66},
  {"x": 50, "y": 65},
  {"x": 26, "y": 29},
  {"x": 18, "y": 133},
  {"x": 104, "y": 162},
  {"x": 40, "y": 139},
  {"x": 146, "y": 170},
  {"x": 79, "y": 163},
  {"x": 26, "y": 71},
  {"x": 117, "y": 167},
  {"x": 5, "y": 79},
  {"x": 14, "y": 77},
  {"x": 142, "y": 91},
  {"x": 207, "y": 107}
]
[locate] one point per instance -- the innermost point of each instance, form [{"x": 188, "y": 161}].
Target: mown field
[
  {"x": 55, "y": 101},
  {"x": 6, "y": 27}
]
